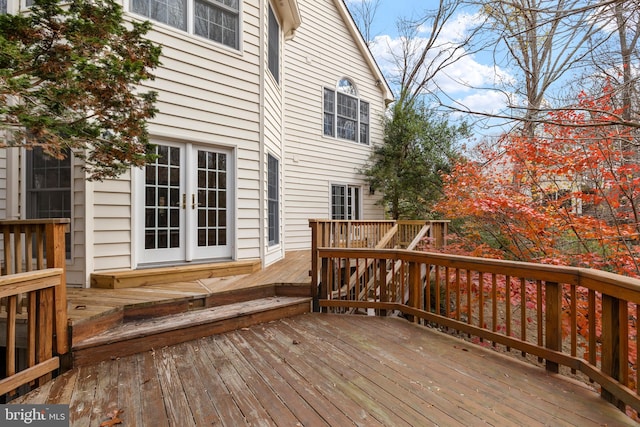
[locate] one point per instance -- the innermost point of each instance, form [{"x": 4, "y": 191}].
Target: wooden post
[
  {"x": 46, "y": 308},
  {"x": 414, "y": 288},
  {"x": 383, "y": 283},
  {"x": 55, "y": 241},
  {"x": 614, "y": 353},
  {"x": 553, "y": 322},
  {"x": 322, "y": 291},
  {"x": 313, "y": 224}
]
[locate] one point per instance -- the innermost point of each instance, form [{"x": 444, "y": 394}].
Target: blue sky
[{"x": 458, "y": 81}]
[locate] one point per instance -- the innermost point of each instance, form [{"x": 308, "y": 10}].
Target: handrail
[
  {"x": 33, "y": 295},
  {"x": 367, "y": 234},
  {"x": 581, "y": 315},
  {"x": 38, "y": 286}
]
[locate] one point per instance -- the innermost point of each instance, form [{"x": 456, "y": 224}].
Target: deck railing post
[
  {"x": 383, "y": 283},
  {"x": 323, "y": 290},
  {"x": 314, "y": 225},
  {"x": 614, "y": 335},
  {"x": 55, "y": 241},
  {"x": 553, "y": 322},
  {"x": 414, "y": 288}
]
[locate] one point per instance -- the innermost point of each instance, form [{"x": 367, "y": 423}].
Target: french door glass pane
[
  {"x": 212, "y": 198},
  {"x": 162, "y": 199}
]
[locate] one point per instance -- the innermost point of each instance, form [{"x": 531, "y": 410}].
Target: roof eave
[
  {"x": 381, "y": 82},
  {"x": 290, "y": 15}
]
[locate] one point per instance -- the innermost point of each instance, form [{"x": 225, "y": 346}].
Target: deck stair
[{"x": 136, "y": 330}]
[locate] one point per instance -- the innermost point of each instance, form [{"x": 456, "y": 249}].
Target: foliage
[
  {"x": 68, "y": 76},
  {"x": 418, "y": 147},
  {"x": 569, "y": 197}
]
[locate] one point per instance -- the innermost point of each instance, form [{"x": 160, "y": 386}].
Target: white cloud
[
  {"x": 488, "y": 101},
  {"x": 465, "y": 79}
]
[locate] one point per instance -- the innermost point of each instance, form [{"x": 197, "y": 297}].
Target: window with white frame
[
  {"x": 48, "y": 188},
  {"x": 273, "y": 200},
  {"x": 345, "y": 202},
  {"x": 346, "y": 116},
  {"x": 217, "y": 20},
  {"x": 274, "y": 45},
  {"x": 3, "y": 6}
]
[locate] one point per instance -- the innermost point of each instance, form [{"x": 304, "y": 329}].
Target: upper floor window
[
  {"x": 274, "y": 45},
  {"x": 345, "y": 115},
  {"x": 3, "y": 6},
  {"x": 217, "y": 20}
]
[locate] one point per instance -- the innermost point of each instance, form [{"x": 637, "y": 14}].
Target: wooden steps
[
  {"x": 144, "y": 334},
  {"x": 119, "y": 279}
]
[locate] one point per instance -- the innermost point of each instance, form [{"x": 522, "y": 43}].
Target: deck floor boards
[
  {"x": 319, "y": 369},
  {"x": 89, "y": 303}
]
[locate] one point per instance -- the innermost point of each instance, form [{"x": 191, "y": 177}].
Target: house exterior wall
[
  {"x": 323, "y": 52},
  {"x": 213, "y": 96},
  {"x": 208, "y": 95},
  {"x": 273, "y": 138}
]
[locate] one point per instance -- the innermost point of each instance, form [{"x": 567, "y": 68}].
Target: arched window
[{"x": 346, "y": 116}]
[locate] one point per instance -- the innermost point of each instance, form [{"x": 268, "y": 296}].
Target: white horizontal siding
[
  {"x": 207, "y": 94},
  {"x": 323, "y": 52},
  {"x": 112, "y": 223}
]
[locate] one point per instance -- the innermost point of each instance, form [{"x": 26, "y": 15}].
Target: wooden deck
[
  {"x": 86, "y": 304},
  {"x": 321, "y": 369}
]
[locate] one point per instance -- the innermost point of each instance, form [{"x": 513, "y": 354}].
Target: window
[
  {"x": 217, "y": 20},
  {"x": 345, "y": 202},
  {"x": 3, "y": 6},
  {"x": 48, "y": 192},
  {"x": 162, "y": 199},
  {"x": 273, "y": 201},
  {"x": 274, "y": 45},
  {"x": 345, "y": 115}
]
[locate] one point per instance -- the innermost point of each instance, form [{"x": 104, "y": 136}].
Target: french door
[{"x": 188, "y": 204}]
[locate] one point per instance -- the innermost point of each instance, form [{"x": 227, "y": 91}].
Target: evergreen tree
[
  {"x": 418, "y": 147},
  {"x": 69, "y": 76}
]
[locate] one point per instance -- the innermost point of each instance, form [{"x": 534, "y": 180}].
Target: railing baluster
[
  {"x": 458, "y": 294},
  {"x": 8, "y": 252},
  {"x": 427, "y": 289},
  {"x": 523, "y": 312},
  {"x": 593, "y": 338},
  {"x": 637, "y": 361},
  {"x": 469, "y": 302},
  {"x": 481, "y": 301},
  {"x": 447, "y": 293},
  {"x": 573, "y": 319},
  {"x": 11, "y": 336},
  {"x": 494, "y": 304},
  {"x": 553, "y": 322},
  {"x": 28, "y": 246},
  {"x": 507, "y": 307},
  {"x": 614, "y": 355},
  {"x": 539, "y": 317},
  {"x": 436, "y": 289}
]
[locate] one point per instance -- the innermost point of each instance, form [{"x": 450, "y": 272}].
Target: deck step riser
[{"x": 89, "y": 353}]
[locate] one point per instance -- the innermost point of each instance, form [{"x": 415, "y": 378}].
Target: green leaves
[
  {"x": 68, "y": 80},
  {"x": 418, "y": 147}
]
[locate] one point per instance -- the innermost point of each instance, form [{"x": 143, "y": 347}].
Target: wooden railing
[
  {"x": 33, "y": 300},
  {"x": 576, "y": 319},
  {"x": 370, "y": 234}
]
